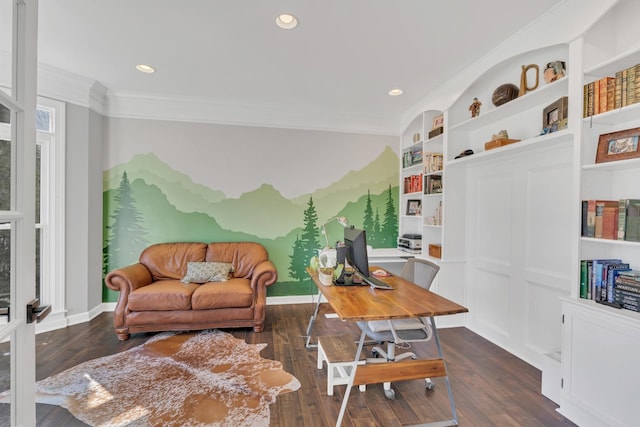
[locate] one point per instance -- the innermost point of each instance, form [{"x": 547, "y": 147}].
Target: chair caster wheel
[
  {"x": 390, "y": 394},
  {"x": 430, "y": 385}
]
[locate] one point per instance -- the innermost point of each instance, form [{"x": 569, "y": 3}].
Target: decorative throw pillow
[{"x": 203, "y": 272}]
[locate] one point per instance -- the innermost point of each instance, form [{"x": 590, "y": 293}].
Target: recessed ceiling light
[
  {"x": 145, "y": 68},
  {"x": 286, "y": 21},
  {"x": 395, "y": 92}
]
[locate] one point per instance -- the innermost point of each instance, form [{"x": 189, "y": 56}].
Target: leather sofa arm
[
  {"x": 129, "y": 278},
  {"x": 264, "y": 274}
]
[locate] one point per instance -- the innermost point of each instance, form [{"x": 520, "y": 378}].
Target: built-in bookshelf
[
  {"x": 504, "y": 206},
  {"x": 422, "y": 180},
  {"x": 595, "y": 327}
]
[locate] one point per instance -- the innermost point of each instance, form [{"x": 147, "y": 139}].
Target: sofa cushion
[
  {"x": 162, "y": 295},
  {"x": 203, "y": 272},
  {"x": 169, "y": 260},
  {"x": 233, "y": 293}
]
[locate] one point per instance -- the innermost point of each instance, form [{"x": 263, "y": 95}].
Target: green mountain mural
[
  {"x": 178, "y": 187},
  {"x": 164, "y": 218},
  {"x": 262, "y": 212}
]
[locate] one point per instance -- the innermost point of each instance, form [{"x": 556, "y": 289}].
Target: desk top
[{"x": 406, "y": 300}]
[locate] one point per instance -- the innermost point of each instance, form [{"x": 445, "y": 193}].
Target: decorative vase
[{"x": 325, "y": 276}]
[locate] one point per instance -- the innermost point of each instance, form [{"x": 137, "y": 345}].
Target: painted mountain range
[{"x": 173, "y": 208}]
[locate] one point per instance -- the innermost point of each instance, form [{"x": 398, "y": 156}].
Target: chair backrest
[{"x": 420, "y": 271}]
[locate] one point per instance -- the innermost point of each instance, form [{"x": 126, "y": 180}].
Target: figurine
[
  {"x": 475, "y": 107},
  {"x": 503, "y": 134},
  {"x": 555, "y": 70}
]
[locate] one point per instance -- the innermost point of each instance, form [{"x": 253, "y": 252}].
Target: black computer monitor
[{"x": 356, "y": 242}]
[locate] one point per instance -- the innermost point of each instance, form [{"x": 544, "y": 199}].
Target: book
[
  {"x": 610, "y": 220},
  {"x": 598, "y": 277},
  {"x": 596, "y": 97},
  {"x": 603, "y": 85},
  {"x": 583, "y": 219},
  {"x": 635, "y": 288},
  {"x": 612, "y": 272},
  {"x": 623, "y": 97},
  {"x": 591, "y": 218},
  {"x": 589, "y": 88},
  {"x": 617, "y": 99},
  {"x": 611, "y": 93},
  {"x": 605, "y": 225},
  {"x": 631, "y": 275},
  {"x": 583, "y": 279},
  {"x": 589, "y": 282},
  {"x": 622, "y": 217},
  {"x": 630, "y": 298},
  {"x": 632, "y": 220},
  {"x": 631, "y": 85},
  {"x": 637, "y": 96}
]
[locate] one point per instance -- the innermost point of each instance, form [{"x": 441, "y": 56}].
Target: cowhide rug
[{"x": 207, "y": 378}]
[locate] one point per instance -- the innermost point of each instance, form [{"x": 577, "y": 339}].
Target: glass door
[{"x": 18, "y": 306}]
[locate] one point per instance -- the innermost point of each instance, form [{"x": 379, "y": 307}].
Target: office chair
[{"x": 402, "y": 331}]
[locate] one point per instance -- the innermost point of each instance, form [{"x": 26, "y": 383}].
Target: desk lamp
[{"x": 341, "y": 220}]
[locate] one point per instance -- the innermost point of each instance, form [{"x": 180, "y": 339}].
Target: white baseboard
[{"x": 59, "y": 320}]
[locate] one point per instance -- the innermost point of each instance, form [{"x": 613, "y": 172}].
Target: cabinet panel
[
  {"x": 519, "y": 237},
  {"x": 600, "y": 366},
  {"x": 548, "y": 200},
  {"x": 492, "y": 217}
]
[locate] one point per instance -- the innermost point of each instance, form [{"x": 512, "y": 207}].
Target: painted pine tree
[
  {"x": 126, "y": 238},
  {"x": 367, "y": 222},
  {"x": 389, "y": 229},
  {"x": 308, "y": 244}
]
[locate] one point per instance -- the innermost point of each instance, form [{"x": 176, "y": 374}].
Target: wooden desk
[{"x": 363, "y": 303}]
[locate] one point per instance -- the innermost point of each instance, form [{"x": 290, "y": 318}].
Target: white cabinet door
[{"x": 600, "y": 366}]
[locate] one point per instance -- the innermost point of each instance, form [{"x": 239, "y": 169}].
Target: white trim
[
  {"x": 205, "y": 110},
  {"x": 53, "y": 196},
  {"x": 292, "y": 299},
  {"x": 86, "y": 92},
  {"x": 72, "y": 88},
  {"x": 59, "y": 320}
]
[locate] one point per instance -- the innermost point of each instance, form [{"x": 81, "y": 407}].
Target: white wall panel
[{"x": 515, "y": 276}]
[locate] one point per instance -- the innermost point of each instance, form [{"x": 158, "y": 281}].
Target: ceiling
[{"x": 341, "y": 60}]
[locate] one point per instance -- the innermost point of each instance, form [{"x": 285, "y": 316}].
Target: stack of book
[
  {"x": 610, "y": 93},
  {"x": 626, "y": 290},
  {"x": 432, "y": 162},
  {"x": 611, "y": 282},
  {"x": 411, "y": 157},
  {"x": 597, "y": 278},
  {"x": 611, "y": 219},
  {"x": 412, "y": 184}
]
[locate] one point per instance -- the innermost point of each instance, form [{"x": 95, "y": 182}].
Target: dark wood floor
[{"x": 490, "y": 386}]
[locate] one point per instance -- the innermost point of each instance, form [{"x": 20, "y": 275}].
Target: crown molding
[
  {"x": 65, "y": 86},
  {"x": 72, "y": 88},
  {"x": 205, "y": 110}
]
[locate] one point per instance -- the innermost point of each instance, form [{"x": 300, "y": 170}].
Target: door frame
[{"x": 22, "y": 103}]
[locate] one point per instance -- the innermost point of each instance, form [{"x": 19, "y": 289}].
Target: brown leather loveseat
[{"x": 154, "y": 296}]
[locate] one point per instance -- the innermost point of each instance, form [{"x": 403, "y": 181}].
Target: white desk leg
[
  {"x": 454, "y": 421},
  {"x": 312, "y": 319},
  {"x": 345, "y": 399}
]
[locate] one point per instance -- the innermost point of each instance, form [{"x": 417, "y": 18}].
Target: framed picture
[
  {"x": 414, "y": 207},
  {"x": 619, "y": 145},
  {"x": 438, "y": 122},
  {"x": 554, "y": 114}
]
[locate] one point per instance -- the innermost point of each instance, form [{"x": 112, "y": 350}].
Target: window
[
  {"x": 50, "y": 167},
  {"x": 50, "y": 214}
]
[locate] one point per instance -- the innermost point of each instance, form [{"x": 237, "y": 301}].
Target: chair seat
[{"x": 398, "y": 325}]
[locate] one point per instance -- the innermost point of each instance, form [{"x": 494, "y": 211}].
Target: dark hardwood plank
[{"x": 490, "y": 386}]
